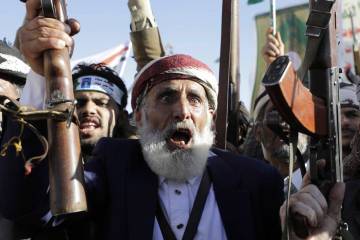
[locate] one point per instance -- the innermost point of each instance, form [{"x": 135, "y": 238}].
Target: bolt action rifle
[
  {"x": 67, "y": 193},
  {"x": 228, "y": 112},
  {"x": 314, "y": 111}
]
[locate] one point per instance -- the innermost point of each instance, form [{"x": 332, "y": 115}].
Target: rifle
[
  {"x": 235, "y": 115},
  {"x": 67, "y": 193},
  {"x": 229, "y": 78},
  {"x": 315, "y": 112}
]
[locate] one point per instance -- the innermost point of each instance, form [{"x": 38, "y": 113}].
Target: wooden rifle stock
[
  {"x": 67, "y": 193},
  {"x": 224, "y": 75}
]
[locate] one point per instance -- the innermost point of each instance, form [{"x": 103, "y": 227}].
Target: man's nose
[
  {"x": 344, "y": 120},
  {"x": 181, "y": 110},
  {"x": 89, "y": 108}
]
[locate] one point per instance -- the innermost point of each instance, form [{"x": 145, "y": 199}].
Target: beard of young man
[
  {"x": 179, "y": 164},
  {"x": 283, "y": 153}
]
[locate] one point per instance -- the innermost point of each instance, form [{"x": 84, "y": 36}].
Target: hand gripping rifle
[
  {"x": 67, "y": 193},
  {"x": 315, "y": 112},
  {"x": 228, "y": 112}
]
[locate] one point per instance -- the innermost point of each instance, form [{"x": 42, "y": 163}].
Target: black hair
[{"x": 101, "y": 70}]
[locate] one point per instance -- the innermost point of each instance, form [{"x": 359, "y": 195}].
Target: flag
[
  {"x": 291, "y": 25},
  {"x": 114, "y": 58},
  {"x": 346, "y": 57},
  {"x": 254, "y": 1}
]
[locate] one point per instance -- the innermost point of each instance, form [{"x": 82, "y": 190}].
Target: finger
[
  {"x": 269, "y": 31},
  {"x": 278, "y": 38},
  {"x": 48, "y": 33},
  {"x": 310, "y": 201},
  {"x": 317, "y": 195},
  {"x": 305, "y": 211},
  {"x": 74, "y": 26},
  {"x": 336, "y": 197},
  {"x": 40, "y": 22},
  {"x": 306, "y": 180},
  {"x": 41, "y": 44},
  {"x": 274, "y": 48},
  {"x": 272, "y": 39},
  {"x": 33, "y": 9},
  {"x": 271, "y": 53}
]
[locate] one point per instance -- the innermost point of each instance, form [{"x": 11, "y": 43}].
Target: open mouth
[
  {"x": 88, "y": 124},
  {"x": 180, "y": 138}
]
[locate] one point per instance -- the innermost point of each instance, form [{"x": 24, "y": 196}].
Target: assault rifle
[
  {"x": 315, "y": 112},
  {"x": 67, "y": 193},
  {"x": 228, "y": 113}
]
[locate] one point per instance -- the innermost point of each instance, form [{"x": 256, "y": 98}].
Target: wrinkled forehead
[{"x": 178, "y": 85}]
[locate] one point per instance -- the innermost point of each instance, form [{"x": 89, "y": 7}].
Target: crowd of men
[{"x": 155, "y": 173}]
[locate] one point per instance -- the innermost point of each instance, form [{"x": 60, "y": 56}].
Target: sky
[{"x": 189, "y": 26}]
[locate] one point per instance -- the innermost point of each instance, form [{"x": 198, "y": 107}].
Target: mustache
[
  {"x": 175, "y": 126},
  {"x": 349, "y": 130},
  {"x": 282, "y": 153}
]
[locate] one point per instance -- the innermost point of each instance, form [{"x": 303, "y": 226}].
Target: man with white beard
[{"x": 172, "y": 184}]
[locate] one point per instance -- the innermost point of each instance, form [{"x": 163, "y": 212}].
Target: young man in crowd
[
  {"x": 13, "y": 72},
  {"x": 350, "y": 115}
]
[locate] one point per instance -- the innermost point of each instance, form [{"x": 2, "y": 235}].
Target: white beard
[{"x": 180, "y": 164}]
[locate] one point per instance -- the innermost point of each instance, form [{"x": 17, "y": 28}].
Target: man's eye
[
  {"x": 102, "y": 103},
  {"x": 195, "y": 100},
  {"x": 80, "y": 103},
  {"x": 352, "y": 115},
  {"x": 166, "y": 98}
]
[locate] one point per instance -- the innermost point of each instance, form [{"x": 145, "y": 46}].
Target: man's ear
[
  {"x": 213, "y": 116},
  {"x": 257, "y": 131},
  {"x": 138, "y": 116}
]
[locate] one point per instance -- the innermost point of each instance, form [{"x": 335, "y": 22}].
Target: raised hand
[{"x": 273, "y": 48}]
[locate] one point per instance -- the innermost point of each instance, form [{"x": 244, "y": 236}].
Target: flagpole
[{"x": 273, "y": 15}]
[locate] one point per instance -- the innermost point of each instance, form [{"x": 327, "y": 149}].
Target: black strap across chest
[{"x": 195, "y": 214}]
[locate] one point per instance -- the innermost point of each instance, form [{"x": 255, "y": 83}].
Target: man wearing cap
[
  {"x": 171, "y": 182},
  {"x": 350, "y": 115},
  {"x": 13, "y": 71},
  {"x": 12, "y": 77},
  {"x": 267, "y": 119}
]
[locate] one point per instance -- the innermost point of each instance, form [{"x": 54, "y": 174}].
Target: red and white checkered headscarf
[{"x": 178, "y": 66}]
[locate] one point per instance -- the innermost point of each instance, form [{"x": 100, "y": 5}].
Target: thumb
[
  {"x": 336, "y": 197},
  {"x": 74, "y": 26},
  {"x": 33, "y": 9}
]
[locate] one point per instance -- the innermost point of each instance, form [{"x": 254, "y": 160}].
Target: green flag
[
  {"x": 254, "y": 1},
  {"x": 291, "y": 25}
]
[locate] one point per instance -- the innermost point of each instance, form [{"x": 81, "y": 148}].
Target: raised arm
[{"x": 145, "y": 35}]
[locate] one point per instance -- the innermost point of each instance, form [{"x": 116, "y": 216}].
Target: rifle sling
[
  {"x": 317, "y": 23},
  {"x": 195, "y": 214}
]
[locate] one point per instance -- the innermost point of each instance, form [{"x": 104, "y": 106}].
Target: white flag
[{"x": 114, "y": 58}]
